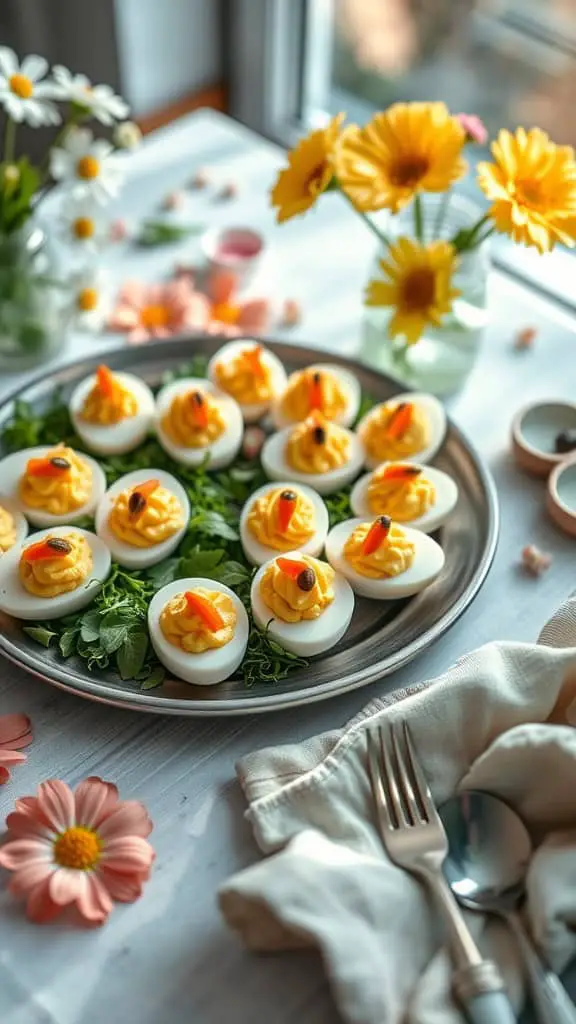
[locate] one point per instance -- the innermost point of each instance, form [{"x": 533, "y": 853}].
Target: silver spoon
[{"x": 489, "y": 853}]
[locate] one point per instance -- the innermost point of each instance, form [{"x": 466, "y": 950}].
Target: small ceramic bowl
[
  {"x": 238, "y": 250},
  {"x": 534, "y": 432},
  {"x": 561, "y": 496}
]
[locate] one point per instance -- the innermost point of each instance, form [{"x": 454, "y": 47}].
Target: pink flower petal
[
  {"x": 130, "y": 818},
  {"x": 94, "y": 902},
  {"x": 67, "y": 885},
  {"x": 11, "y": 757},
  {"x": 138, "y": 336},
  {"x": 133, "y": 293},
  {"x": 40, "y": 906},
  {"x": 4, "y": 775},
  {"x": 19, "y": 852},
  {"x": 255, "y": 316},
  {"x": 15, "y": 731},
  {"x": 56, "y": 802},
  {"x": 124, "y": 888},
  {"x": 25, "y": 826},
  {"x": 29, "y": 875},
  {"x": 95, "y": 800},
  {"x": 128, "y": 855},
  {"x": 122, "y": 319}
]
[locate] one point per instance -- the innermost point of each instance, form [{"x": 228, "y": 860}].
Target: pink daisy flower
[
  {"x": 474, "y": 127},
  {"x": 146, "y": 311},
  {"x": 84, "y": 848},
  {"x": 15, "y": 733}
]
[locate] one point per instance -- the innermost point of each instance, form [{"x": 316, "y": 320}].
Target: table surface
[{"x": 169, "y": 957}]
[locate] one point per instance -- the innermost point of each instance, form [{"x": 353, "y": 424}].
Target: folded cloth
[{"x": 502, "y": 719}]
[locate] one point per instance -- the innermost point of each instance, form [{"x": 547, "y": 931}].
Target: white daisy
[
  {"x": 22, "y": 93},
  {"x": 82, "y": 223},
  {"x": 88, "y": 164},
  {"x": 127, "y": 135},
  {"x": 91, "y": 302},
  {"x": 100, "y": 100}
]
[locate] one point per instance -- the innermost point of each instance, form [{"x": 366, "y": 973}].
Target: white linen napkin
[{"x": 502, "y": 719}]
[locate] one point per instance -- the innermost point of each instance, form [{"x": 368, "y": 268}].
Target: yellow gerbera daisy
[
  {"x": 409, "y": 148},
  {"x": 418, "y": 283},
  {"x": 308, "y": 174},
  {"x": 532, "y": 185}
]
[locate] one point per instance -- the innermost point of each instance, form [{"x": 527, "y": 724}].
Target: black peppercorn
[
  {"x": 60, "y": 463},
  {"x": 565, "y": 441},
  {"x": 288, "y": 495},
  {"x": 136, "y": 504},
  {"x": 59, "y": 545},
  {"x": 306, "y": 579}
]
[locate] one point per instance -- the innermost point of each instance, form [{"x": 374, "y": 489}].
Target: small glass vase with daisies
[
  {"x": 59, "y": 197},
  {"x": 402, "y": 172}
]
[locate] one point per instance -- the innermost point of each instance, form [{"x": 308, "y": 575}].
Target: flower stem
[
  {"x": 9, "y": 140},
  {"x": 486, "y": 235},
  {"x": 441, "y": 215},
  {"x": 367, "y": 220},
  {"x": 418, "y": 219}
]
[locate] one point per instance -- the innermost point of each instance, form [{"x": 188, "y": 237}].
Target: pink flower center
[
  {"x": 77, "y": 848},
  {"x": 154, "y": 316}
]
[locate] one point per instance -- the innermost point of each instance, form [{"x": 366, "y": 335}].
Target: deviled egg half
[
  {"x": 13, "y": 525},
  {"x": 421, "y": 496},
  {"x": 250, "y": 373},
  {"x": 322, "y": 387},
  {"x": 143, "y": 517},
  {"x": 315, "y": 452},
  {"x": 199, "y": 630},
  {"x": 281, "y": 517},
  {"x": 112, "y": 412},
  {"x": 303, "y": 603},
  {"x": 196, "y": 421},
  {"x": 410, "y": 426},
  {"x": 56, "y": 572},
  {"x": 383, "y": 560},
  {"x": 52, "y": 486}
]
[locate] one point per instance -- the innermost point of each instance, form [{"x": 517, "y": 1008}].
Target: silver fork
[{"x": 414, "y": 838}]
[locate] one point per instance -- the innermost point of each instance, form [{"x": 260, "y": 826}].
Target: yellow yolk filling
[
  {"x": 161, "y": 518},
  {"x": 263, "y": 521},
  {"x": 105, "y": 410},
  {"x": 306, "y": 454},
  {"x": 236, "y": 377},
  {"x": 181, "y": 427},
  {"x": 287, "y": 601},
  {"x": 394, "y": 556},
  {"x": 186, "y": 630},
  {"x": 402, "y": 500},
  {"x": 7, "y": 530},
  {"x": 378, "y": 446},
  {"x": 49, "y": 577},
  {"x": 295, "y": 404},
  {"x": 60, "y": 494}
]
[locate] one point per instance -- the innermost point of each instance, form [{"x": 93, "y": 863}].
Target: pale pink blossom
[
  {"x": 474, "y": 127},
  {"x": 118, "y": 230},
  {"x": 83, "y": 849},
  {"x": 15, "y": 733},
  {"x": 146, "y": 311}
]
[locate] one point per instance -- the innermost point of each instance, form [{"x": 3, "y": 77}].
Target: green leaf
[
  {"x": 67, "y": 642},
  {"x": 213, "y": 524},
  {"x": 41, "y": 634},
  {"x": 90, "y": 625},
  {"x": 158, "y": 232},
  {"x": 155, "y": 678},
  {"x": 200, "y": 562},
  {"x": 232, "y": 573},
  {"x": 164, "y": 572},
  {"x": 114, "y": 628},
  {"x": 130, "y": 656}
]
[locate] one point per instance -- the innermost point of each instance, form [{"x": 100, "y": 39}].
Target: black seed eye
[
  {"x": 316, "y": 377},
  {"x": 288, "y": 495},
  {"x": 59, "y": 545},
  {"x": 319, "y": 435},
  {"x": 306, "y": 579},
  {"x": 384, "y": 521},
  {"x": 198, "y": 397},
  {"x": 59, "y": 462},
  {"x": 136, "y": 503}
]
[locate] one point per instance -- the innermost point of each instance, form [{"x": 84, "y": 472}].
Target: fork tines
[{"x": 399, "y": 785}]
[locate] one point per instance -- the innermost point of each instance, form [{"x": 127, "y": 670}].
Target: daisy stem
[
  {"x": 441, "y": 214},
  {"x": 9, "y": 140},
  {"x": 368, "y": 221},
  {"x": 418, "y": 219},
  {"x": 486, "y": 235}
]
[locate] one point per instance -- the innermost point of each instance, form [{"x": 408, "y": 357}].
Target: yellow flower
[
  {"x": 532, "y": 185},
  {"x": 409, "y": 148},
  {"x": 308, "y": 174},
  {"x": 418, "y": 283}
]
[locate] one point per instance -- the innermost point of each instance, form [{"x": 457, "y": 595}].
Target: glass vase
[
  {"x": 33, "y": 314},
  {"x": 444, "y": 356}
]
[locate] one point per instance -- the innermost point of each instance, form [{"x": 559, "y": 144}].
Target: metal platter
[{"x": 382, "y": 636}]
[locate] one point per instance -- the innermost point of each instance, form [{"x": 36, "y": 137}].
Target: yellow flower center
[
  {"x": 83, "y": 227},
  {"x": 528, "y": 192},
  {"x": 88, "y": 167},
  {"x": 418, "y": 289},
  {"x": 21, "y": 86},
  {"x": 154, "y": 316},
  {"x": 408, "y": 171},
  {"x": 316, "y": 181},
  {"x": 77, "y": 848},
  {"x": 87, "y": 299}
]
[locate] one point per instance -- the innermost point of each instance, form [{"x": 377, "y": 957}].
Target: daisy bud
[
  {"x": 174, "y": 200},
  {"x": 525, "y": 339},
  {"x": 291, "y": 313},
  {"x": 535, "y": 561},
  {"x": 11, "y": 177},
  {"x": 127, "y": 135},
  {"x": 252, "y": 442},
  {"x": 200, "y": 179}
]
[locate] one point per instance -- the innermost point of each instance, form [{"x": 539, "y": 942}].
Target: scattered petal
[
  {"x": 252, "y": 442},
  {"x": 201, "y": 179},
  {"x": 535, "y": 561},
  {"x": 524, "y": 339},
  {"x": 118, "y": 230},
  {"x": 174, "y": 200},
  {"x": 228, "y": 191},
  {"x": 291, "y": 313}
]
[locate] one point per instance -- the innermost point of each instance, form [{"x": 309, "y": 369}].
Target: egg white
[
  {"x": 251, "y": 411},
  {"x": 435, "y": 413},
  {"x": 256, "y": 553},
  {"x": 12, "y": 468},
  {"x": 207, "y": 668},
  {"x": 20, "y": 523},
  {"x": 222, "y": 451},
  {"x": 428, "y": 563},
  {"x": 312, "y": 636},
  {"x": 437, "y": 514},
  {"x": 128, "y": 555},
  {"x": 349, "y": 384},
  {"x": 15, "y": 599},
  {"x": 276, "y": 465},
  {"x": 117, "y": 438}
]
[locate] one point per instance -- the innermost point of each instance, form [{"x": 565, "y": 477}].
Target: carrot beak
[
  {"x": 52, "y": 547},
  {"x": 199, "y": 409},
  {"x": 253, "y": 359},
  {"x": 139, "y": 498},
  {"x": 376, "y": 534},
  {"x": 52, "y": 468},
  {"x": 401, "y": 473},
  {"x": 106, "y": 382},
  {"x": 286, "y": 508},
  {"x": 315, "y": 396},
  {"x": 400, "y": 420},
  {"x": 290, "y": 567},
  {"x": 203, "y": 607}
]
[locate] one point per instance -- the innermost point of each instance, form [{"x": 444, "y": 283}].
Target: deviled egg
[
  {"x": 322, "y": 387},
  {"x": 250, "y": 373},
  {"x": 382, "y": 560},
  {"x": 52, "y": 486},
  {"x": 13, "y": 525},
  {"x": 315, "y": 452},
  {"x": 112, "y": 412},
  {"x": 279, "y": 517},
  {"x": 143, "y": 517},
  {"x": 305, "y": 606},
  {"x": 410, "y": 426},
  {"x": 195, "y": 421},
  {"x": 199, "y": 630},
  {"x": 55, "y": 573},
  {"x": 421, "y": 496}
]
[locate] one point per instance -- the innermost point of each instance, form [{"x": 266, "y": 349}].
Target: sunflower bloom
[
  {"x": 308, "y": 174},
  {"x": 532, "y": 185},
  {"x": 409, "y": 148},
  {"x": 417, "y": 282}
]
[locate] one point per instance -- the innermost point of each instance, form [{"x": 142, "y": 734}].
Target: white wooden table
[{"x": 169, "y": 958}]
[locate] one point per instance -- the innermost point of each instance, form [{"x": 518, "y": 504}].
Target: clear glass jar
[
  {"x": 33, "y": 315},
  {"x": 444, "y": 356}
]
